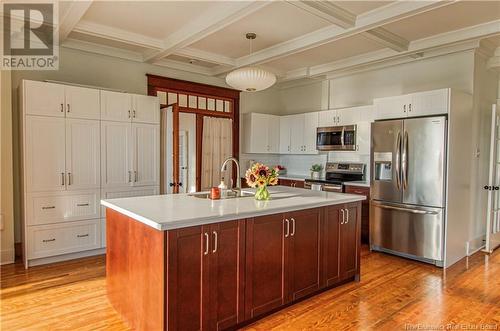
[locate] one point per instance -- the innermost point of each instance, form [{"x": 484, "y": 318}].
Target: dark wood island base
[{"x": 224, "y": 275}]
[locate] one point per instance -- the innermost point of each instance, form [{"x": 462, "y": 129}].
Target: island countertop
[{"x": 174, "y": 211}]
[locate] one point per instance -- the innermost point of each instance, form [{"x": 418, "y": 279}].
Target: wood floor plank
[{"x": 393, "y": 293}]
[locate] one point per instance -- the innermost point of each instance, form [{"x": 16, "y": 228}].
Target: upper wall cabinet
[
  {"x": 49, "y": 99},
  {"x": 412, "y": 105},
  {"x": 345, "y": 116},
  {"x": 298, "y": 133},
  {"x": 261, "y": 133},
  {"x": 124, "y": 107}
]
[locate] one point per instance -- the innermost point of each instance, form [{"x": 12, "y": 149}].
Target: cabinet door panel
[
  {"x": 45, "y": 154},
  {"x": 146, "y": 154},
  {"x": 146, "y": 109},
  {"x": 429, "y": 103},
  {"x": 116, "y": 106},
  {"x": 327, "y": 118},
  {"x": 44, "y": 98},
  {"x": 273, "y": 127},
  {"x": 82, "y": 154},
  {"x": 297, "y": 133},
  {"x": 392, "y": 107},
  {"x": 348, "y": 244},
  {"x": 304, "y": 252},
  {"x": 187, "y": 279},
  {"x": 82, "y": 103},
  {"x": 310, "y": 130},
  {"x": 116, "y": 154},
  {"x": 284, "y": 138},
  {"x": 331, "y": 271},
  {"x": 227, "y": 274},
  {"x": 265, "y": 265}
]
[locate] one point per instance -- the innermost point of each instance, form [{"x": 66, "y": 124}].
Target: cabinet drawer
[
  {"x": 50, "y": 240},
  {"x": 62, "y": 207},
  {"x": 360, "y": 190}
]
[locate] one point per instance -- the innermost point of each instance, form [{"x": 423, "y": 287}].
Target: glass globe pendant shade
[{"x": 250, "y": 79}]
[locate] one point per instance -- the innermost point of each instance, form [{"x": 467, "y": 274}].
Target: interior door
[
  {"x": 146, "y": 109},
  {"x": 44, "y": 98},
  {"x": 116, "y": 154},
  {"x": 493, "y": 215},
  {"x": 116, "y": 106},
  {"x": 303, "y": 252},
  {"x": 82, "y": 154},
  {"x": 146, "y": 154},
  {"x": 387, "y": 137},
  {"x": 82, "y": 103},
  {"x": 423, "y": 161},
  {"x": 45, "y": 157}
]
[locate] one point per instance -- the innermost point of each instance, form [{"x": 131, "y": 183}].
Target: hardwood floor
[{"x": 394, "y": 294}]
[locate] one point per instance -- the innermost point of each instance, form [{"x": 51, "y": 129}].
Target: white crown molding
[
  {"x": 126, "y": 37},
  {"x": 197, "y": 54},
  {"x": 214, "y": 20},
  {"x": 388, "y": 39},
  {"x": 102, "y": 49},
  {"x": 376, "y": 18},
  {"x": 71, "y": 18},
  {"x": 327, "y": 11}
]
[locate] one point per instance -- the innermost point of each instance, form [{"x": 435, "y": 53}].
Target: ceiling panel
[
  {"x": 275, "y": 23},
  {"x": 157, "y": 19},
  {"x": 186, "y": 60},
  {"x": 448, "y": 18},
  {"x": 360, "y": 7},
  {"x": 105, "y": 42},
  {"x": 330, "y": 52}
]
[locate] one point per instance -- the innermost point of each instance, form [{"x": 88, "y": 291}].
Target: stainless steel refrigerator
[{"x": 408, "y": 187}]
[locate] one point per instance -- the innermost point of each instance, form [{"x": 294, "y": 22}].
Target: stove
[{"x": 336, "y": 174}]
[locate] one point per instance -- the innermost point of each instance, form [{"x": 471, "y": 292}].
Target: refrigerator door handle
[
  {"x": 408, "y": 210},
  {"x": 404, "y": 156},
  {"x": 398, "y": 161}
]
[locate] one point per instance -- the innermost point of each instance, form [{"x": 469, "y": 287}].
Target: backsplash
[
  {"x": 300, "y": 164},
  {"x": 351, "y": 157}
]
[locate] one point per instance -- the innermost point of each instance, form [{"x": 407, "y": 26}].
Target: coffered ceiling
[{"x": 295, "y": 39}]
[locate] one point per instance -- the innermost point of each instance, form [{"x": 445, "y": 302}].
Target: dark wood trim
[
  {"x": 18, "y": 251},
  {"x": 175, "y": 151},
  {"x": 210, "y": 113}
]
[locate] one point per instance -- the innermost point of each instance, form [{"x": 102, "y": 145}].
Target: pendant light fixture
[{"x": 250, "y": 79}]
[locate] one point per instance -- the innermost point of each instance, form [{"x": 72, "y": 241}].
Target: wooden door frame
[{"x": 165, "y": 84}]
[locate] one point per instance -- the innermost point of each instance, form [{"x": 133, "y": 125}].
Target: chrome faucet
[{"x": 238, "y": 177}]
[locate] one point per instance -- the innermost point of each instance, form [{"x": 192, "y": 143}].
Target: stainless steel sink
[{"x": 229, "y": 195}]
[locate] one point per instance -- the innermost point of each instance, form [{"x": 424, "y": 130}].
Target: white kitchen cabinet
[
  {"x": 41, "y": 98},
  {"x": 146, "y": 109},
  {"x": 82, "y": 102},
  {"x": 82, "y": 154},
  {"x": 327, "y": 118},
  {"x": 285, "y": 135},
  {"x": 116, "y": 154},
  {"x": 146, "y": 163},
  {"x": 45, "y": 154},
  {"x": 260, "y": 133},
  {"x": 310, "y": 132},
  {"x": 302, "y": 128},
  {"x": 297, "y": 133},
  {"x": 116, "y": 106},
  {"x": 435, "y": 102}
]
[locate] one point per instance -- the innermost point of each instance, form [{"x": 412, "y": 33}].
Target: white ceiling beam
[
  {"x": 102, "y": 49},
  {"x": 376, "y": 18},
  {"x": 184, "y": 66},
  {"x": 327, "y": 11},
  {"x": 197, "y": 54},
  {"x": 220, "y": 16},
  {"x": 415, "y": 48},
  {"x": 126, "y": 37},
  {"x": 388, "y": 39},
  {"x": 73, "y": 15}
]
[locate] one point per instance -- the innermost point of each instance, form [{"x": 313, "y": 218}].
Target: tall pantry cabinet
[{"x": 64, "y": 162}]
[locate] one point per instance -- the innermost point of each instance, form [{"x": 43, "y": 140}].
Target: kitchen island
[{"x": 181, "y": 262}]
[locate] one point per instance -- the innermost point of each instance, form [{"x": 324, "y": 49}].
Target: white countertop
[
  {"x": 294, "y": 177},
  {"x": 173, "y": 211},
  {"x": 363, "y": 183}
]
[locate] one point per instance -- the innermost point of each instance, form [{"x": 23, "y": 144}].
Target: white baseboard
[
  {"x": 475, "y": 245},
  {"x": 7, "y": 256},
  {"x": 65, "y": 257}
]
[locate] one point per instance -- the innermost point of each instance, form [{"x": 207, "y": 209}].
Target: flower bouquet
[{"x": 260, "y": 176}]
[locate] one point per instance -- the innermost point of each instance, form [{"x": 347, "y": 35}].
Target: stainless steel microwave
[{"x": 336, "y": 138}]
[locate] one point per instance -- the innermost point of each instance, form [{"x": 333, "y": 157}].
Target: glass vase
[{"x": 262, "y": 193}]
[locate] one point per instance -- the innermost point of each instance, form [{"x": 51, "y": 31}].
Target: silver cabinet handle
[
  {"x": 343, "y": 216},
  {"x": 62, "y": 178},
  {"x": 129, "y": 176},
  {"x": 135, "y": 176},
  {"x": 133, "y": 114},
  {"x": 206, "y": 244},
  {"x": 67, "y": 109},
  {"x": 404, "y": 108},
  {"x": 82, "y": 235},
  {"x": 293, "y": 227},
  {"x": 62, "y": 108},
  {"x": 49, "y": 207},
  {"x": 82, "y": 204},
  {"x": 48, "y": 240},
  {"x": 347, "y": 216},
  {"x": 70, "y": 177},
  {"x": 216, "y": 239},
  {"x": 129, "y": 114},
  {"x": 287, "y": 233},
  {"x": 409, "y": 107}
]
